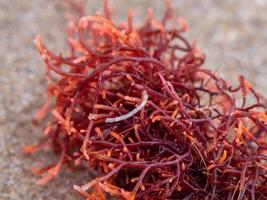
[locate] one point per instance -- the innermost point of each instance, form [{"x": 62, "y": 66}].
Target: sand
[{"x": 233, "y": 35}]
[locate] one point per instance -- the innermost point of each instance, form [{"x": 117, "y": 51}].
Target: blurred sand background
[{"x": 233, "y": 35}]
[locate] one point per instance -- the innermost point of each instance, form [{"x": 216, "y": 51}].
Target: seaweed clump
[{"x": 136, "y": 105}]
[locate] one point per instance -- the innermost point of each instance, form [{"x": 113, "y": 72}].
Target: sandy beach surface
[{"x": 233, "y": 35}]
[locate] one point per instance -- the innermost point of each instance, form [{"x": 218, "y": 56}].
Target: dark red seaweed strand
[{"x": 134, "y": 104}]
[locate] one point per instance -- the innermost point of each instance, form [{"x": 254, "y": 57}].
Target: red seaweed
[{"x": 135, "y": 105}]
